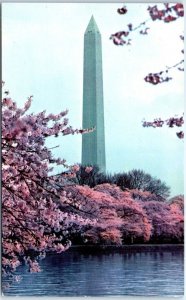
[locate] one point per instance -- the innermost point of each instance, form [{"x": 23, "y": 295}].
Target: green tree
[{"x": 138, "y": 179}]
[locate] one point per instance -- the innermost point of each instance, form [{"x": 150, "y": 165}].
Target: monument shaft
[{"x": 93, "y": 144}]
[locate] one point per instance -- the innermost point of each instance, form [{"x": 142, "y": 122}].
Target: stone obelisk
[{"x": 93, "y": 144}]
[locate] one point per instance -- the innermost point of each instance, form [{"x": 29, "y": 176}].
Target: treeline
[
  {"x": 129, "y": 207},
  {"x": 135, "y": 179}
]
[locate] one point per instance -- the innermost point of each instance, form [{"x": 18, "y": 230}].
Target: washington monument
[{"x": 93, "y": 144}]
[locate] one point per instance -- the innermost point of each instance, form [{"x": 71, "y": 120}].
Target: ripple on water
[{"x": 132, "y": 271}]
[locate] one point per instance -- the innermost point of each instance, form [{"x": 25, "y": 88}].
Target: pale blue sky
[{"x": 43, "y": 56}]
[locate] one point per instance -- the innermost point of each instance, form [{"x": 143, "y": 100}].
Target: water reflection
[{"x": 110, "y": 271}]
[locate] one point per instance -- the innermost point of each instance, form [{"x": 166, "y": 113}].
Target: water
[{"x": 136, "y": 270}]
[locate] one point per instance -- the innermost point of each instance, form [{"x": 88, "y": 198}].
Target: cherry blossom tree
[
  {"x": 129, "y": 216},
  {"x": 177, "y": 202},
  {"x": 120, "y": 219},
  {"x": 170, "y": 13},
  {"x": 101, "y": 206},
  {"x": 140, "y": 195},
  {"x": 171, "y": 122},
  {"x": 167, "y": 221},
  {"x": 37, "y": 214}
]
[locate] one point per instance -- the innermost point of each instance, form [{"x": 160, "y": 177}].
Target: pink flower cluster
[
  {"x": 88, "y": 169},
  {"x": 171, "y": 122},
  {"x": 37, "y": 214},
  {"x": 168, "y": 14},
  {"x": 118, "y": 38},
  {"x": 156, "y": 78},
  {"x": 129, "y": 215},
  {"x": 122, "y": 11}
]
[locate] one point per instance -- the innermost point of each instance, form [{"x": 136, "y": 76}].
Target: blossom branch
[{"x": 171, "y": 122}]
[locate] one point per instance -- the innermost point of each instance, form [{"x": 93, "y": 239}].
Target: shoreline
[{"x": 128, "y": 245}]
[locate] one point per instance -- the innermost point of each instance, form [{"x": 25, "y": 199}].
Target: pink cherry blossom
[{"x": 36, "y": 211}]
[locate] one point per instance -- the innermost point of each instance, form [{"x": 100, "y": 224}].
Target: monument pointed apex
[{"x": 92, "y": 26}]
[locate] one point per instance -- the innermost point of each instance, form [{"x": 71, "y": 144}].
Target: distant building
[{"x": 93, "y": 144}]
